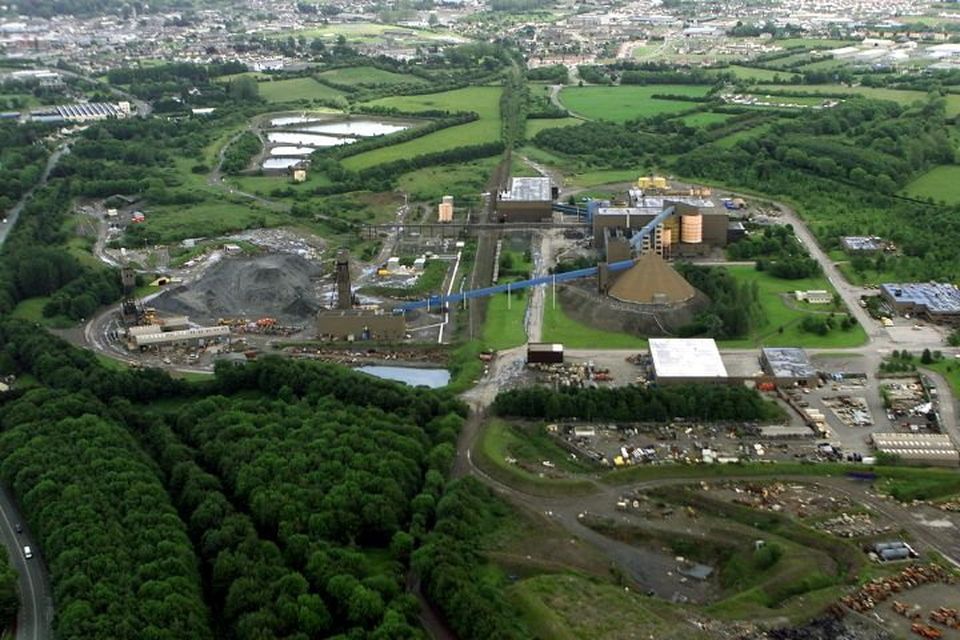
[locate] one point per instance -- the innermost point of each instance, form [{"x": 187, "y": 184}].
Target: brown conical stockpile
[{"x": 651, "y": 281}]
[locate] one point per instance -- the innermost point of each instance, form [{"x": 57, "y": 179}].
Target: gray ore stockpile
[{"x": 276, "y": 286}]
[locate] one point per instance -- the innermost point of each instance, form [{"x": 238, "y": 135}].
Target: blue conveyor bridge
[{"x": 439, "y": 301}]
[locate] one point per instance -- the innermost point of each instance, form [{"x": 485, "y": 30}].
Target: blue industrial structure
[{"x": 437, "y": 301}]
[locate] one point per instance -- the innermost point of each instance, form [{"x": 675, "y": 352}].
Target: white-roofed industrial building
[
  {"x": 186, "y": 337},
  {"x": 919, "y": 448},
  {"x": 527, "y": 200},
  {"x": 693, "y": 360}
]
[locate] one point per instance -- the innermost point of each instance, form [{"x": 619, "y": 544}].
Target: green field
[
  {"x": 571, "y": 607},
  {"x": 559, "y": 327},
  {"x": 940, "y": 183},
  {"x": 464, "y": 180},
  {"x": 900, "y": 96},
  {"x": 536, "y": 125},
  {"x": 779, "y": 314},
  {"x": 485, "y": 101},
  {"x": 360, "y": 76},
  {"x": 704, "y": 118},
  {"x": 732, "y": 139},
  {"x": 264, "y": 185},
  {"x": 173, "y": 223},
  {"x": 750, "y": 73},
  {"x": 623, "y": 103},
  {"x": 297, "y": 89},
  {"x": 503, "y": 327}
]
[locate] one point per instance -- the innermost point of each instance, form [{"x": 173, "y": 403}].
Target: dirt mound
[{"x": 279, "y": 286}]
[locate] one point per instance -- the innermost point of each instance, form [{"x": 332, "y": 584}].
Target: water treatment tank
[{"x": 691, "y": 229}]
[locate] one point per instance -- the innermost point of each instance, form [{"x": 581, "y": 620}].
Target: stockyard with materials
[{"x": 667, "y": 304}]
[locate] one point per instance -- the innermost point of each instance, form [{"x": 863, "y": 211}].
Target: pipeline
[{"x": 439, "y": 301}]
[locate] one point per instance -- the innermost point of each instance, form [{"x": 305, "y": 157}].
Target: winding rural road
[
  {"x": 35, "y": 616},
  {"x": 14, "y": 214}
]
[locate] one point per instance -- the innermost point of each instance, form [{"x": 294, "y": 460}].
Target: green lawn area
[
  {"x": 297, "y": 89},
  {"x": 504, "y": 327},
  {"x": 900, "y": 96},
  {"x": 940, "y": 183},
  {"x": 256, "y": 75},
  {"x": 559, "y": 327},
  {"x": 31, "y": 310},
  {"x": 605, "y": 176},
  {"x": 949, "y": 368},
  {"x": 781, "y": 315},
  {"x": 750, "y": 73},
  {"x": 485, "y": 101},
  {"x": 622, "y": 103},
  {"x": 704, "y": 118},
  {"x": 464, "y": 180},
  {"x": 536, "y": 125},
  {"x": 368, "y": 76},
  {"x": 263, "y": 185}
]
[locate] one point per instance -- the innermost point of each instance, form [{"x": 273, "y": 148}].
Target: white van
[{"x": 27, "y": 553}]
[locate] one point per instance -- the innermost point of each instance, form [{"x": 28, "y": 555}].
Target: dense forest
[
  {"x": 843, "y": 167},
  {"x": 282, "y": 499},
  {"x": 632, "y": 404}
]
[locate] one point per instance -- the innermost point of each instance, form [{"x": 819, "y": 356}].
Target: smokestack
[{"x": 344, "y": 294}]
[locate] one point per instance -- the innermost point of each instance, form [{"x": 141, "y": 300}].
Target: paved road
[
  {"x": 35, "y": 617},
  {"x": 14, "y": 214}
]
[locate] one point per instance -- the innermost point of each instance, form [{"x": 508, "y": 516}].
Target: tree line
[
  {"x": 639, "y": 404},
  {"x": 734, "y": 309}
]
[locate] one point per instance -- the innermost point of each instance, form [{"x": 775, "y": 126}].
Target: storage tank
[
  {"x": 667, "y": 236},
  {"x": 691, "y": 229},
  {"x": 445, "y": 210}
]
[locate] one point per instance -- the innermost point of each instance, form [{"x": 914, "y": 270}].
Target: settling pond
[{"x": 412, "y": 376}]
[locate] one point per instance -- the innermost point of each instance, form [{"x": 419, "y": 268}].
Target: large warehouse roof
[
  {"x": 528, "y": 190},
  {"x": 694, "y": 358},
  {"x": 788, "y": 363},
  {"x": 934, "y": 297}
]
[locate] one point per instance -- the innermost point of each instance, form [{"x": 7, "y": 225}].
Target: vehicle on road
[
  {"x": 27, "y": 553},
  {"x": 19, "y": 528}
]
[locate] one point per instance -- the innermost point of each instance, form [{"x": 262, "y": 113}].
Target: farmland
[
  {"x": 361, "y": 76},
  {"x": 623, "y": 103},
  {"x": 483, "y": 100},
  {"x": 536, "y": 125},
  {"x": 940, "y": 183},
  {"x": 298, "y": 89}
]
